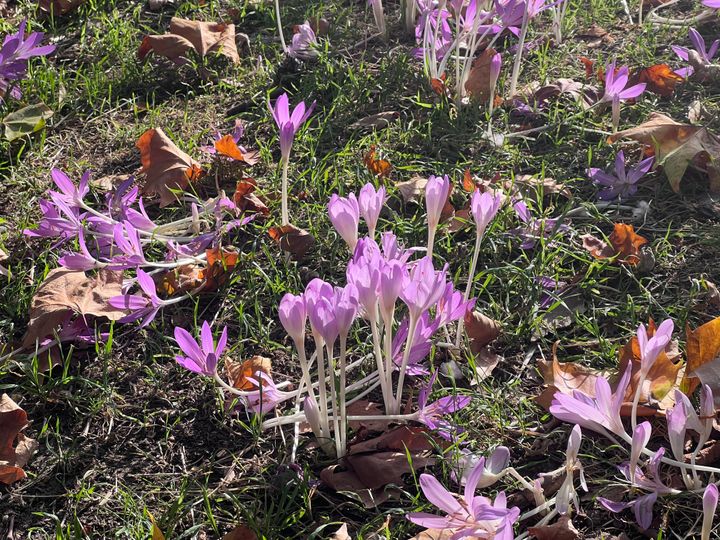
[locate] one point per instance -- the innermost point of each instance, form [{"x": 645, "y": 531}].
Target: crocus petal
[
  {"x": 633, "y": 91},
  {"x": 189, "y": 346},
  {"x": 643, "y": 509},
  {"x": 436, "y": 493},
  {"x": 206, "y": 338}
]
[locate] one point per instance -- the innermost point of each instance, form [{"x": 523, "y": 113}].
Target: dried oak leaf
[
  {"x": 245, "y": 199},
  {"x": 66, "y": 292},
  {"x": 479, "y": 84},
  {"x": 562, "y": 529},
  {"x": 166, "y": 167},
  {"x": 378, "y": 167},
  {"x": 13, "y": 457},
  {"x": 659, "y": 79},
  {"x": 703, "y": 358},
  {"x": 481, "y": 330},
  {"x": 677, "y": 146},
  {"x": 625, "y": 244},
  {"x": 59, "y": 7},
  {"x": 238, "y": 372},
  {"x": 185, "y": 35},
  {"x": 292, "y": 239},
  {"x": 227, "y": 146}
]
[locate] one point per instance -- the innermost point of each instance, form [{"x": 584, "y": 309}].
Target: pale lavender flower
[
  {"x": 714, "y": 4},
  {"x": 469, "y": 516},
  {"x": 617, "y": 90},
  {"x": 567, "y": 493},
  {"x": 534, "y": 228},
  {"x": 651, "y": 348},
  {"x": 142, "y": 307},
  {"x": 493, "y": 468},
  {"x": 419, "y": 348},
  {"x": 623, "y": 183},
  {"x": 432, "y": 414},
  {"x": 203, "y": 357},
  {"x": 344, "y": 214},
  {"x": 423, "y": 287},
  {"x": 698, "y": 44},
  {"x": 371, "y": 202},
  {"x": 304, "y": 44},
  {"x": 599, "y": 414},
  {"x": 643, "y": 505},
  {"x": 267, "y": 396},
  {"x": 710, "y": 502},
  {"x": 484, "y": 207},
  {"x": 293, "y": 316}
]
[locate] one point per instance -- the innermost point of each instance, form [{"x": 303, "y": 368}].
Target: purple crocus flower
[
  {"x": 623, "y": 183},
  {"x": 69, "y": 193},
  {"x": 534, "y": 228},
  {"x": 142, "y": 307},
  {"x": 420, "y": 347},
  {"x": 567, "y": 493},
  {"x": 423, "y": 287},
  {"x": 371, "y": 202},
  {"x": 616, "y": 89},
  {"x": 80, "y": 261},
  {"x": 651, "y": 348},
  {"x": 127, "y": 240},
  {"x": 432, "y": 414},
  {"x": 344, "y": 214},
  {"x": 304, "y": 43},
  {"x": 710, "y": 502},
  {"x": 469, "y": 516},
  {"x": 484, "y": 207},
  {"x": 267, "y": 396},
  {"x": 714, "y": 4},
  {"x": 293, "y": 316},
  {"x": 288, "y": 123},
  {"x": 698, "y": 44},
  {"x": 15, "y": 52},
  {"x": 203, "y": 357},
  {"x": 599, "y": 414},
  {"x": 493, "y": 469},
  {"x": 63, "y": 224},
  {"x": 643, "y": 505}
]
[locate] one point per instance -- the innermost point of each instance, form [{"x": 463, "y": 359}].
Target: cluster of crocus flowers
[
  {"x": 623, "y": 183},
  {"x": 288, "y": 124},
  {"x": 15, "y": 52},
  {"x": 602, "y": 414}
]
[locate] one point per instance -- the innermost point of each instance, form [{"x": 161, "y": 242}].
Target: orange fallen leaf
[
  {"x": 703, "y": 358},
  {"x": 624, "y": 244},
  {"x": 166, "y": 167},
  {"x": 238, "y": 372},
  {"x": 292, "y": 239},
  {"x": 15, "y": 448},
  {"x": 227, "y": 146},
  {"x": 378, "y": 167},
  {"x": 185, "y": 35},
  {"x": 220, "y": 262},
  {"x": 659, "y": 79},
  {"x": 438, "y": 85}
]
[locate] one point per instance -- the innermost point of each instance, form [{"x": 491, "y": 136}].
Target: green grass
[{"x": 124, "y": 433}]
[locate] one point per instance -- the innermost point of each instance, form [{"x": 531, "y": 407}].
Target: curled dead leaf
[
  {"x": 703, "y": 358},
  {"x": 13, "y": 457},
  {"x": 376, "y": 121},
  {"x": 377, "y": 166},
  {"x": 481, "y": 330},
  {"x": 659, "y": 79},
  {"x": 226, "y": 146},
  {"x": 479, "y": 84},
  {"x": 185, "y": 35},
  {"x": 166, "y": 167},
  {"x": 625, "y": 244},
  {"x": 245, "y": 199},
  {"x": 292, "y": 239}
]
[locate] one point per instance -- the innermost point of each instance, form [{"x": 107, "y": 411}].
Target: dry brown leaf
[
  {"x": 479, "y": 84},
  {"x": 240, "y": 532},
  {"x": 367, "y": 408},
  {"x": 703, "y": 358},
  {"x": 376, "y": 121},
  {"x": 238, "y": 372},
  {"x": 378, "y": 469},
  {"x": 347, "y": 482},
  {"x": 184, "y": 35},
  {"x": 66, "y": 292},
  {"x": 676, "y": 147},
  {"x": 413, "y": 190},
  {"x": 547, "y": 185},
  {"x": 166, "y": 167},
  {"x": 485, "y": 363},
  {"x": 245, "y": 199},
  {"x": 59, "y": 7},
  {"x": 292, "y": 239},
  {"x": 562, "y": 529},
  {"x": 481, "y": 330},
  {"x": 625, "y": 243},
  {"x": 13, "y": 419},
  {"x": 182, "y": 279}
]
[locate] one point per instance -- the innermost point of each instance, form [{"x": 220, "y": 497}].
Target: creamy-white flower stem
[
  {"x": 519, "y": 54},
  {"x": 412, "y": 324},
  {"x": 284, "y": 210},
  {"x": 468, "y": 287}
]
